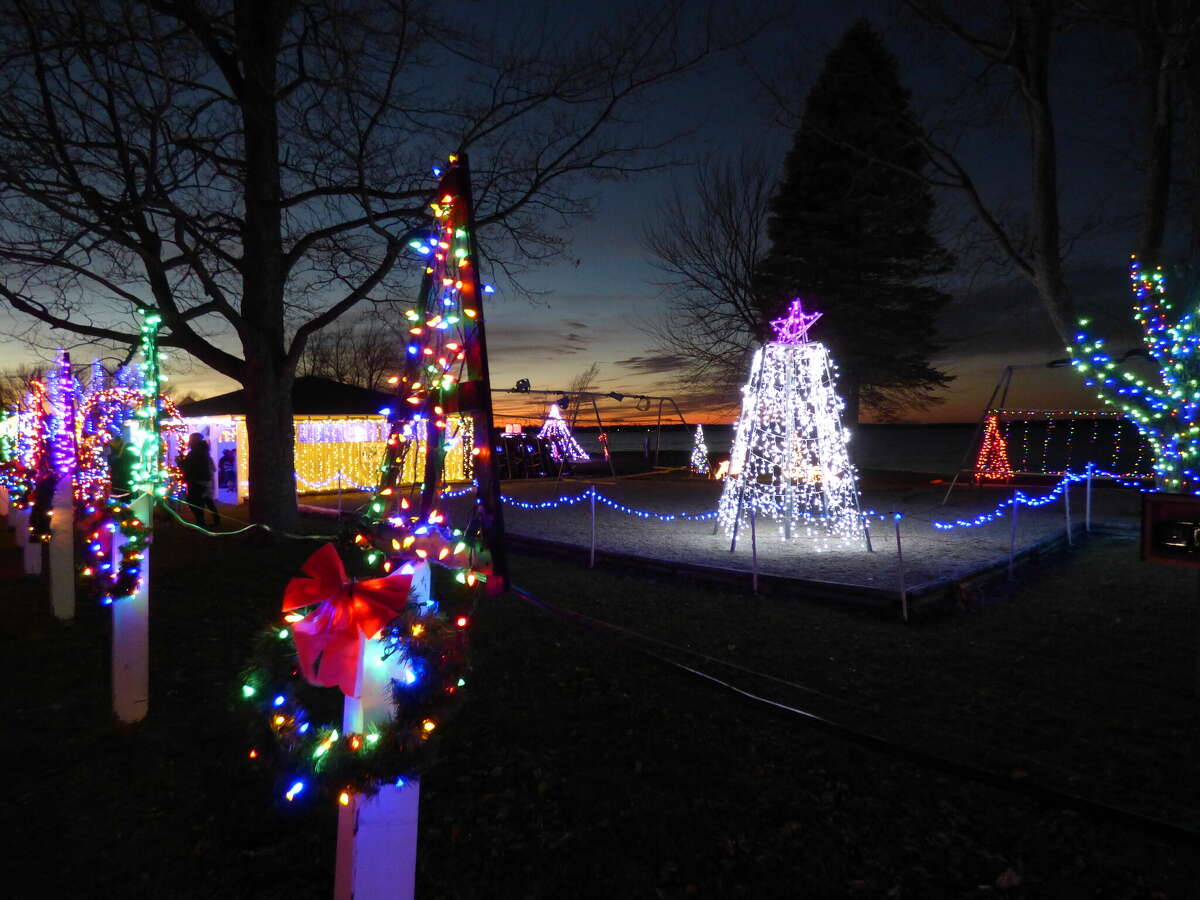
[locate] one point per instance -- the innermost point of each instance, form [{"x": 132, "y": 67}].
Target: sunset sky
[{"x": 592, "y": 304}]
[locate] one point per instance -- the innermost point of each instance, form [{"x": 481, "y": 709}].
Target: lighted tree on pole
[
  {"x": 789, "y": 460},
  {"x": 1167, "y": 413}
]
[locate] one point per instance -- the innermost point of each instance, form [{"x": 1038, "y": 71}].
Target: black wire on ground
[
  {"x": 1045, "y": 794},
  {"x": 246, "y": 526}
]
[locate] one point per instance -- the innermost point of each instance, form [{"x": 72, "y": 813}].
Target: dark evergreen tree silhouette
[{"x": 850, "y": 230}]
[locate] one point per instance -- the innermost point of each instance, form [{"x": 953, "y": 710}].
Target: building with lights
[{"x": 340, "y": 431}]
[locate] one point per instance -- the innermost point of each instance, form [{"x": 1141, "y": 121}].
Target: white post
[
  {"x": 900, "y": 571},
  {"x": 62, "y": 550},
  {"x": 1012, "y": 540},
  {"x": 1067, "y": 508},
  {"x": 31, "y": 552},
  {"x": 3, "y": 500},
  {"x": 753, "y": 552},
  {"x": 592, "y": 558},
  {"x": 377, "y": 836},
  {"x": 18, "y": 520},
  {"x": 1087, "y": 514},
  {"x": 131, "y": 632},
  {"x": 866, "y": 532}
]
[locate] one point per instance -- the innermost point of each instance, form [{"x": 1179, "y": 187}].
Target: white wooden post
[
  {"x": 753, "y": 552},
  {"x": 1012, "y": 539},
  {"x": 592, "y": 557},
  {"x": 377, "y": 836},
  {"x": 31, "y": 552},
  {"x": 62, "y": 550},
  {"x": 900, "y": 570},
  {"x": 18, "y": 520},
  {"x": 131, "y": 632},
  {"x": 1087, "y": 514},
  {"x": 1067, "y": 508}
]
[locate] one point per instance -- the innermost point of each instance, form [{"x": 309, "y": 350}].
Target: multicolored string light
[
  {"x": 405, "y": 528},
  {"x": 557, "y": 435},
  {"x": 992, "y": 463},
  {"x": 1167, "y": 413}
]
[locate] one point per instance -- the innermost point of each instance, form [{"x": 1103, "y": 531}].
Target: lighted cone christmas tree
[
  {"x": 992, "y": 463},
  {"x": 699, "y": 461},
  {"x": 789, "y": 461},
  {"x": 557, "y": 434}
]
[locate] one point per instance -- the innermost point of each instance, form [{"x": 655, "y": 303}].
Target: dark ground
[{"x": 580, "y": 768}]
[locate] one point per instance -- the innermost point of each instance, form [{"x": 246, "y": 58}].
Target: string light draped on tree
[
  {"x": 1166, "y": 413},
  {"x": 149, "y": 472},
  {"x": 62, "y": 390},
  {"x": 789, "y": 460},
  {"x": 699, "y": 460},
  {"x": 557, "y": 434},
  {"x": 119, "y": 574}
]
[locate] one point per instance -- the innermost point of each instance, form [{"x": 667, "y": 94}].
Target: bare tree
[
  {"x": 707, "y": 241},
  {"x": 1016, "y": 39},
  {"x": 363, "y": 353},
  {"x": 256, "y": 168},
  {"x": 581, "y": 384},
  {"x": 14, "y": 383}
]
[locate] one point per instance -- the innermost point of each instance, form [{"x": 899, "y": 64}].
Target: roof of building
[{"x": 311, "y": 396}]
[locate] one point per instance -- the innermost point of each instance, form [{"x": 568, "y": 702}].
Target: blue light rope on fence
[
  {"x": 566, "y": 500},
  {"x": 1018, "y": 497},
  {"x": 866, "y": 515}
]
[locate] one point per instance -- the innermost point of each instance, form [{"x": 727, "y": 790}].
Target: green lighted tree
[{"x": 1166, "y": 413}]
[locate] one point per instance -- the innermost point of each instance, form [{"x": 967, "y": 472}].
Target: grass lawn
[{"x": 581, "y": 768}]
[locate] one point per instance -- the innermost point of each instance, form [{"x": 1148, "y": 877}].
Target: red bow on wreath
[{"x": 329, "y": 639}]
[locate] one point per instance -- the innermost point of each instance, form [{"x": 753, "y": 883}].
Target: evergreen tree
[{"x": 849, "y": 230}]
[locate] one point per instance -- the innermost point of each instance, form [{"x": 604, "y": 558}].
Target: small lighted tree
[
  {"x": 992, "y": 463},
  {"x": 789, "y": 460},
  {"x": 557, "y": 434},
  {"x": 1166, "y": 412},
  {"x": 699, "y": 461}
]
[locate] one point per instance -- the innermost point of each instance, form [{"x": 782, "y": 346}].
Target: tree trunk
[
  {"x": 1156, "y": 66},
  {"x": 268, "y": 374},
  {"x": 1190, "y": 84},
  {"x": 1035, "y": 23},
  {"x": 271, "y": 438}
]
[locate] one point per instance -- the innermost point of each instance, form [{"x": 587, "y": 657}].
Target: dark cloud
[
  {"x": 652, "y": 365},
  {"x": 571, "y": 324},
  {"x": 574, "y": 338}
]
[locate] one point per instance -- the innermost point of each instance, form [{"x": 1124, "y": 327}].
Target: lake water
[{"x": 936, "y": 449}]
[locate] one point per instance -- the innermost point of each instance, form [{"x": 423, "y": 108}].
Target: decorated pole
[
  {"x": 398, "y": 655},
  {"x": 131, "y": 541},
  {"x": 30, "y": 461},
  {"x": 61, "y": 437},
  {"x": 377, "y": 834}
]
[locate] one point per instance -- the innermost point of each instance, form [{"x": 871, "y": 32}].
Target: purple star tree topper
[{"x": 793, "y": 328}]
